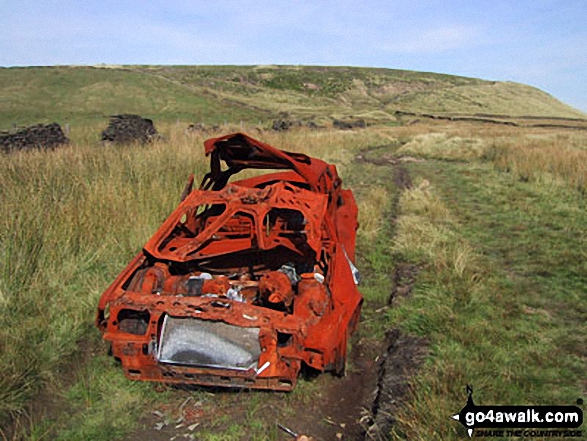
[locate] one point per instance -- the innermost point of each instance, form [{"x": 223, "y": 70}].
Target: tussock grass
[
  {"x": 444, "y": 146},
  {"x": 544, "y": 161},
  {"x": 372, "y": 208},
  {"x": 500, "y": 294},
  {"x": 427, "y": 232},
  {"x": 552, "y": 157},
  {"x": 70, "y": 219}
]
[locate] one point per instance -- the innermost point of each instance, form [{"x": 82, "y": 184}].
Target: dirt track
[
  {"x": 362, "y": 405},
  {"x": 359, "y": 406}
]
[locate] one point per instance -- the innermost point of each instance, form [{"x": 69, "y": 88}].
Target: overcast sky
[{"x": 538, "y": 42}]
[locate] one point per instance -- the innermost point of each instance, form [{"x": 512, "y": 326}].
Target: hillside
[
  {"x": 256, "y": 94},
  {"x": 471, "y": 246}
]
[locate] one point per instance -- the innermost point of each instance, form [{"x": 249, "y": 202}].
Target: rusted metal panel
[{"x": 244, "y": 281}]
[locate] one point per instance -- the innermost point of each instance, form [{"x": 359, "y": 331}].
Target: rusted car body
[{"x": 244, "y": 281}]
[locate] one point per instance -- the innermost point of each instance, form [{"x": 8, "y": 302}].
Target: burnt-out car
[{"x": 245, "y": 281}]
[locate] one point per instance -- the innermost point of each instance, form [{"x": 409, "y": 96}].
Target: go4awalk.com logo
[{"x": 527, "y": 421}]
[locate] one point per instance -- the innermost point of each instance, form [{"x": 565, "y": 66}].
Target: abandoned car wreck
[{"x": 245, "y": 281}]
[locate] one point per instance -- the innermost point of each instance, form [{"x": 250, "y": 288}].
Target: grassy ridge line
[
  {"x": 368, "y": 89},
  {"x": 210, "y": 94},
  {"x": 70, "y": 220},
  {"x": 81, "y": 95},
  {"x": 506, "y": 98}
]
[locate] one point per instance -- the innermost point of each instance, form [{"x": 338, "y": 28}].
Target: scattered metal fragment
[
  {"x": 288, "y": 431},
  {"x": 186, "y": 401},
  {"x": 262, "y": 368}
]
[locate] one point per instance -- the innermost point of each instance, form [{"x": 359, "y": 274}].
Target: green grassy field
[
  {"x": 254, "y": 94},
  {"x": 502, "y": 298},
  {"x": 496, "y": 221},
  {"x": 83, "y": 95}
]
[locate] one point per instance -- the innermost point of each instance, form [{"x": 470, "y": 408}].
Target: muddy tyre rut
[
  {"x": 363, "y": 403},
  {"x": 400, "y": 354}
]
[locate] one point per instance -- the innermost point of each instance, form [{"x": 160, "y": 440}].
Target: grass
[
  {"x": 496, "y": 219},
  {"x": 502, "y": 290},
  {"x": 501, "y": 98},
  {"x": 558, "y": 158},
  {"x": 254, "y": 94},
  {"x": 541, "y": 161},
  {"x": 102, "y": 403},
  {"x": 437, "y": 145},
  {"x": 85, "y": 95},
  {"x": 372, "y": 207},
  {"x": 70, "y": 220},
  {"x": 375, "y": 194}
]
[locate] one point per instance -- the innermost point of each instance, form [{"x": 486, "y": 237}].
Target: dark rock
[
  {"x": 280, "y": 125},
  {"x": 197, "y": 127},
  {"x": 285, "y": 123},
  {"x": 40, "y": 136},
  {"x": 124, "y": 129},
  {"x": 350, "y": 124},
  {"x": 201, "y": 127}
]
